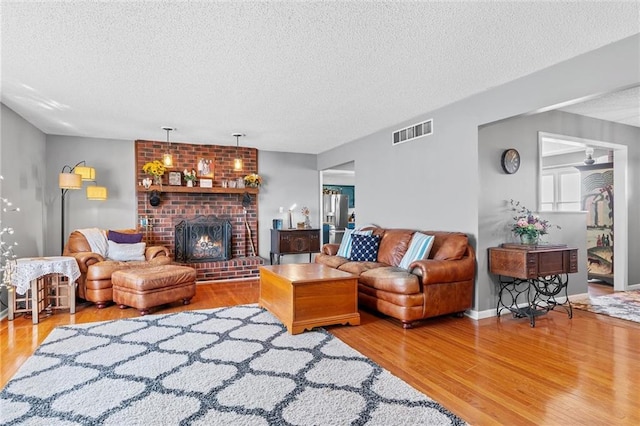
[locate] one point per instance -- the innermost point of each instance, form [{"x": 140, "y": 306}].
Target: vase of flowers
[
  {"x": 189, "y": 177},
  {"x": 155, "y": 169},
  {"x": 528, "y": 226},
  {"x": 305, "y": 213},
  {"x": 253, "y": 180}
]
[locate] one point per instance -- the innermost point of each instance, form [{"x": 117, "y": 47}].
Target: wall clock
[{"x": 510, "y": 161}]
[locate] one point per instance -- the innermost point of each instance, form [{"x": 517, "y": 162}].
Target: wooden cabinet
[
  {"x": 531, "y": 277},
  {"x": 528, "y": 262},
  {"x": 294, "y": 241}
]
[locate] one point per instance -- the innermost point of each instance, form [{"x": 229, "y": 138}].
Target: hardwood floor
[{"x": 565, "y": 371}]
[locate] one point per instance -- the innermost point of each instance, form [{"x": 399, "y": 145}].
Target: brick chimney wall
[{"x": 178, "y": 206}]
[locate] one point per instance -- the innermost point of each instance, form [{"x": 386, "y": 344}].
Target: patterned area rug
[
  {"x": 227, "y": 366},
  {"x": 623, "y": 305}
]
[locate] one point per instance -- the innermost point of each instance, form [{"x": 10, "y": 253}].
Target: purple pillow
[{"x": 122, "y": 238}]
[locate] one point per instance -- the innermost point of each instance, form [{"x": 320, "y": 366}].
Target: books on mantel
[{"x": 539, "y": 246}]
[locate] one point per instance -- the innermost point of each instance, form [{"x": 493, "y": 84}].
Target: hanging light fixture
[
  {"x": 237, "y": 162},
  {"x": 167, "y": 158},
  {"x": 589, "y": 156}
]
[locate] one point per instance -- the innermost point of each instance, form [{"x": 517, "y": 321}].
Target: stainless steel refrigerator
[{"x": 335, "y": 208}]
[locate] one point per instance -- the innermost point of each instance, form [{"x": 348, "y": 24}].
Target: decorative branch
[{"x": 7, "y": 255}]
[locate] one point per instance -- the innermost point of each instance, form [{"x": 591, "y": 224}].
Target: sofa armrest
[
  {"x": 155, "y": 251},
  {"x": 330, "y": 249},
  {"x": 445, "y": 271},
  {"x": 85, "y": 259}
]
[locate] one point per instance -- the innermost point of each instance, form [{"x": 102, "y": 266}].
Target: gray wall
[
  {"x": 289, "y": 178},
  {"x": 22, "y": 164},
  {"x": 433, "y": 182},
  {"x": 114, "y": 161},
  {"x": 494, "y": 213}
]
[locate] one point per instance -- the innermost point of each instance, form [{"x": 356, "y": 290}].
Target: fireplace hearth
[{"x": 203, "y": 239}]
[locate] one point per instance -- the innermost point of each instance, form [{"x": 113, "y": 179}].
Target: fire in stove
[
  {"x": 205, "y": 248},
  {"x": 204, "y": 239}
]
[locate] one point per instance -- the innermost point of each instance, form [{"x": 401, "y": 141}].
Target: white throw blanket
[{"x": 97, "y": 241}]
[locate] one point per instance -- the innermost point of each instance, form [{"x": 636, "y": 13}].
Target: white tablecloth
[{"x": 24, "y": 270}]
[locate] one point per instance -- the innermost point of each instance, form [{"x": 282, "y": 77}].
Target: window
[{"x": 560, "y": 189}]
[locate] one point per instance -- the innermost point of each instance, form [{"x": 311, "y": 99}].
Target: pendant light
[
  {"x": 167, "y": 158},
  {"x": 237, "y": 162}
]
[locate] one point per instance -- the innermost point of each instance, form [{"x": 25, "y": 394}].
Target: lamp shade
[
  {"x": 87, "y": 173},
  {"x": 96, "y": 193},
  {"x": 69, "y": 181},
  {"x": 237, "y": 164},
  {"x": 167, "y": 160}
]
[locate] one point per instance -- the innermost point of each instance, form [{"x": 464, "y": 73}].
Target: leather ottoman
[{"x": 146, "y": 288}]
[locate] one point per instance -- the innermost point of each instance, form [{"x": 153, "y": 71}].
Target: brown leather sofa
[
  {"x": 439, "y": 285},
  {"x": 94, "y": 283}
]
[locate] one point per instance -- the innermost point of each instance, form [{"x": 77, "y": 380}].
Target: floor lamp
[{"x": 71, "y": 178}]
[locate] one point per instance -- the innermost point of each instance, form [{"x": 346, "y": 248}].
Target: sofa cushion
[
  {"x": 452, "y": 248},
  {"x": 124, "y": 237},
  {"x": 364, "y": 248},
  {"x": 126, "y": 252},
  {"x": 345, "y": 244},
  {"x": 392, "y": 279},
  {"x": 357, "y": 268},
  {"x": 394, "y": 245},
  {"x": 331, "y": 261},
  {"x": 418, "y": 249}
]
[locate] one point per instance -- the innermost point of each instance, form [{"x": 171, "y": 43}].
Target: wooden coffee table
[{"x": 304, "y": 296}]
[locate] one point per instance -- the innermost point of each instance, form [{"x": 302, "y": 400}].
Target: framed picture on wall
[
  {"x": 205, "y": 168},
  {"x": 175, "y": 178}
]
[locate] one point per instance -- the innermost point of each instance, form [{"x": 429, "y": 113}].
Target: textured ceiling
[
  {"x": 293, "y": 76},
  {"x": 621, "y": 107}
]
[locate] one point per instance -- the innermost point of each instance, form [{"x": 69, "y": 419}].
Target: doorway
[
  {"x": 337, "y": 201},
  {"x": 579, "y": 174}
]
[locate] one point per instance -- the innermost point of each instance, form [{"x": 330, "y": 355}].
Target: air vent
[{"x": 412, "y": 132}]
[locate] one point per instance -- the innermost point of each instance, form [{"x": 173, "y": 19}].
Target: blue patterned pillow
[
  {"x": 364, "y": 248},
  {"x": 418, "y": 249},
  {"x": 345, "y": 245}
]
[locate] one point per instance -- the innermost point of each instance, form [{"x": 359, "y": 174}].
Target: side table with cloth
[{"x": 32, "y": 272}]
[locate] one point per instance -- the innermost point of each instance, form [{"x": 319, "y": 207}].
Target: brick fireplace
[{"x": 179, "y": 204}]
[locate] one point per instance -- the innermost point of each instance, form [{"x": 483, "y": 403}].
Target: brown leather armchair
[{"x": 94, "y": 283}]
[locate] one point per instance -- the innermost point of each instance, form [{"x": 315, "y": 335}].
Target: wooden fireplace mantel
[{"x": 198, "y": 190}]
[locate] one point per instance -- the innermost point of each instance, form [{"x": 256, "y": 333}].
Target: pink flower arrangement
[{"x": 527, "y": 223}]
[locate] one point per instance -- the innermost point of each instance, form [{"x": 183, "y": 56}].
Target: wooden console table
[
  {"x": 294, "y": 241},
  {"x": 531, "y": 276}
]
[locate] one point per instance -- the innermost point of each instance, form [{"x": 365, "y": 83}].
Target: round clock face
[{"x": 510, "y": 161}]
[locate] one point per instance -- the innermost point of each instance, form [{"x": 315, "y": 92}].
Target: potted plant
[
  {"x": 156, "y": 169},
  {"x": 189, "y": 176},
  {"x": 253, "y": 180}
]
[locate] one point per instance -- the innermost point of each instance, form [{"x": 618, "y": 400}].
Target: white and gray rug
[
  {"x": 227, "y": 366},
  {"x": 624, "y": 305}
]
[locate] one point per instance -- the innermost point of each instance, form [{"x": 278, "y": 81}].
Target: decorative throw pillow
[
  {"x": 345, "y": 246},
  {"x": 123, "y": 238},
  {"x": 126, "y": 252},
  {"x": 419, "y": 249},
  {"x": 364, "y": 248}
]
